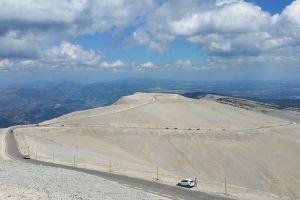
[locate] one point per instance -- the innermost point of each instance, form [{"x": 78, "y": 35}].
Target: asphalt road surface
[{"x": 171, "y": 192}]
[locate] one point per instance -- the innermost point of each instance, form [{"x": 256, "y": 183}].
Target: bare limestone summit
[{"x": 257, "y": 152}]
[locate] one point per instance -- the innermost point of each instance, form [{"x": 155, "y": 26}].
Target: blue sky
[
  {"x": 171, "y": 39},
  {"x": 178, "y": 49},
  {"x": 272, "y": 6}
]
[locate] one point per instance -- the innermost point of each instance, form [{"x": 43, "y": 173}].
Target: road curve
[{"x": 171, "y": 192}]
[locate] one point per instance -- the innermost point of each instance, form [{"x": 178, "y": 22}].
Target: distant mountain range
[
  {"x": 6, "y": 123},
  {"x": 40, "y": 101}
]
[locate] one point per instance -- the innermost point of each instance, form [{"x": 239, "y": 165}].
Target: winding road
[{"x": 171, "y": 192}]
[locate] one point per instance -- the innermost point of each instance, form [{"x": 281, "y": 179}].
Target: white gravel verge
[{"x": 27, "y": 181}]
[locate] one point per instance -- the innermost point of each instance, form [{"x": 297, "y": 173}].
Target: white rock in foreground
[{"x": 26, "y": 181}]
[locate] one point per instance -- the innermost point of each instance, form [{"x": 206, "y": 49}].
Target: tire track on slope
[{"x": 112, "y": 113}]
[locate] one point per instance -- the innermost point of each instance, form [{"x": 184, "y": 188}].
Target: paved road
[{"x": 172, "y": 192}]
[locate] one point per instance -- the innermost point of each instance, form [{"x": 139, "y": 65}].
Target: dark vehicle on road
[{"x": 26, "y": 156}]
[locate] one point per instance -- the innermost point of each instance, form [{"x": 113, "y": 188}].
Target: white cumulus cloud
[
  {"x": 26, "y": 26},
  {"x": 113, "y": 65},
  {"x": 223, "y": 27},
  {"x": 184, "y": 63},
  {"x": 231, "y": 29},
  {"x": 5, "y": 64},
  {"x": 147, "y": 65},
  {"x": 70, "y": 54}
]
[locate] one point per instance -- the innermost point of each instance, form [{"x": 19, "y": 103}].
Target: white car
[{"x": 189, "y": 183}]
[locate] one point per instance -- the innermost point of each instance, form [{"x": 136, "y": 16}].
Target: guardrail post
[
  {"x": 225, "y": 186},
  {"x": 110, "y": 170},
  {"x": 74, "y": 161}
]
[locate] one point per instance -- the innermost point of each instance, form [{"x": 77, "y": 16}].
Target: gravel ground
[{"x": 26, "y": 181}]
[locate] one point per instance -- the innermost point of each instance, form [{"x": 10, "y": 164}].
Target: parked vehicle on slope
[
  {"x": 189, "y": 183},
  {"x": 26, "y": 156}
]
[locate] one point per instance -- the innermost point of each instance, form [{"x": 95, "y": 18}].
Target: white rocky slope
[
  {"x": 168, "y": 110},
  {"x": 184, "y": 138},
  {"x": 32, "y": 182}
]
